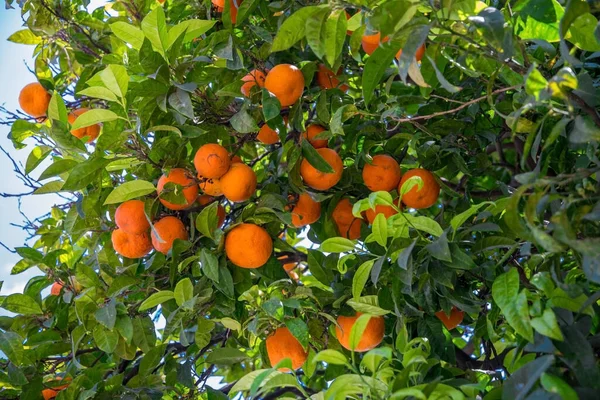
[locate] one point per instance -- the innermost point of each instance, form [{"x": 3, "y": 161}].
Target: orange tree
[{"x": 309, "y": 199}]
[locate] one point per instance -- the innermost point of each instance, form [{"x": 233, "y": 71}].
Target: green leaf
[
  {"x": 21, "y": 304},
  {"x": 440, "y": 249},
  {"x": 116, "y": 79},
  {"x": 156, "y": 299},
  {"x": 442, "y": 79},
  {"x": 37, "y": 155},
  {"x": 547, "y": 325},
  {"x": 151, "y": 360},
  {"x": 226, "y": 356},
  {"x": 340, "y": 116},
  {"x": 316, "y": 31},
  {"x": 57, "y": 168},
  {"x": 424, "y": 224},
  {"x": 293, "y": 29},
  {"x": 379, "y": 229},
  {"x": 314, "y": 158},
  {"x": 458, "y": 220},
  {"x": 554, "y": 384},
  {"x": 84, "y": 173},
  {"x": 57, "y": 111},
  {"x": 368, "y": 305},
  {"x": 337, "y": 245},
  {"x": 154, "y": 27},
  {"x": 107, "y": 314},
  {"x": 11, "y": 345},
  {"x": 93, "y": 117},
  {"x": 335, "y": 35},
  {"x": 360, "y": 278},
  {"x": 331, "y": 357},
  {"x": 242, "y": 122},
  {"x": 535, "y": 82},
  {"x": 167, "y": 128},
  {"x": 180, "y": 100},
  {"x": 582, "y": 33},
  {"x": 505, "y": 291},
  {"x": 105, "y": 340},
  {"x": 299, "y": 329},
  {"x": 375, "y": 68},
  {"x": 521, "y": 381},
  {"x": 24, "y": 36},
  {"x": 184, "y": 291},
  {"x": 128, "y": 33},
  {"x": 210, "y": 265},
  {"x": 129, "y": 190},
  {"x": 98, "y": 92},
  {"x": 358, "y": 329},
  {"x": 207, "y": 220}
]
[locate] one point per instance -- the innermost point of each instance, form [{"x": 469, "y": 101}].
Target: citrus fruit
[
  {"x": 281, "y": 344},
  {"x": 239, "y": 183},
  {"x": 453, "y": 320},
  {"x": 212, "y": 160},
  {"x": 327, "y": 79},
  {"x": 248, "y": 246},
  {"x": 131, "y": 245},
  {"x": 182, "y": 178},
  {"x": 305, "y": 211},
  {"x": 382, "y": 174},
  {"x": 426, "y": 196},
  {"x": 130, "y": 217},
  {"x": 34, "y": 100},
  {"x": 168, "y": 229},
  {"x": 322, "y": 180},
  {"x": 371, "y": 337},
  {"x": 253, "y": 78},
  {"x": 348, "y": 225},
  {"x": 91, "y": 132},
  {"x": 286, "y": 82},
  {"x": 313, "y": 130}
]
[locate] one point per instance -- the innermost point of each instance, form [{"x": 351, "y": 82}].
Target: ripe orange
[
  {"x": 327, "y": 79},
  {"x": 322, "y": 180},
  {"x": 383, "y": 174},
  {"x": 289, "y": 268},
  {"x": 91, "y": 132},
  {"x": 371, "y": 337},
  {"x": 305, "y": 211},
  {"x": 286, "y": 82},
  {"x": 424, "y": 198},
  {"x": 239, "y": 183},
  {"x": 131, "y": 245},
  {"x": 131, "y": 218},
  {"x": 235, "y": 159},
  {"x": 210, "y": 187},
  {"x": 281, "y": 344},
  {"x": 181, "y": 177},
  {"x": 418, "y": 55},
  {"x": 387, "y": 211},
  {"x": 371, "y": 42},
  {"x": 348, "y": 225},
  {"x": 253, "y": 78},
  {"x": 452, "y": 321},
  {"x": 49, "y": 394},
  {"x": 314, "y": 130},
  {"x": 248, "y": 246},
  {"x": 212, "y": 160},
  {"x": 218, "y": 3},
  {"x": 267, "y": 135},
  {"x": 168, "y": 228},
  {"x": 34, "y": 100},
  {"x": 56, "y": 288},
  {"x": 205, "y": 200}
]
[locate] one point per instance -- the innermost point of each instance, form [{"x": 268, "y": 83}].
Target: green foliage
[{"x": 502, "y": 108}]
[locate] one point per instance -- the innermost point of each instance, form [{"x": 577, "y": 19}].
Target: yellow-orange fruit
[
  {"x": 253, "y": 78},
  {"x": 371, "y": 42},
  {"x": 306, "y": 211},
  {"x": 267, "y": 135},
  {"x": 235, "y": 159},
  {"x": 91, "y": 132},
  {"x": 248, "y": 246},
  {"x": 211, "y": 187},
  {"x": 281, "y": 344},
  {"x": 131, "y": 218},
  {"x": 453, "y": 320},
  {"x": 321, "y": 180},
  {"x": 239, "y": 183},
  {"x": 327, "y": 79},
  {"x": 56, "y": 288},
  {"x": 387, "y": 211},
  {"x": 205, "y": 200},
  {"x": 348, "y": 225},
  {"x": 181, "y": 177},
  {"x": 131, "y": 245},
  {"x": 286, "y": 82},
  {"x": 424, "y": 198},
  {"x": 314, "y": 130},
  {"x": 371, "y": 337},
  {"x": 168, "y": 228},
  {"x": 289, "y": 268},
  {"x": 34, "y": 100},
  {"x": 49, "y": 394},
  {"x": 218, "y": 3},
  {"x": 212, "y": 160},
  {"x": 383, "y": 174}
]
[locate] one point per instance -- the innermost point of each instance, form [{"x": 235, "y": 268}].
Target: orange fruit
[
  {"x": 322, "y": 180},
  {"x": 211, "y": 187},
  {"x": 212, "y": 160},
  {"x": 235, "y": 159},
  {"x": 181, "y": 177},
  {"x": 424, "y": 198},
  {"x": 453, "y": 320},
  {"x": 91, "y": 132},
  {"x": 239, "y": 183},
  {"x": 418, "y": 55},
  {"x": 383, "y": 174},
  {"x": 205, "y": 200},
  {"x": 281, "y": 344},
  {"x": 131, "y": 218},
  {"x": 286, "y": 82},
  {"x": 305, "y": 211},
  {"x": 56, "y": 288},
  {"x": 235, "y": 4},
  {"x": 327, "y": 79},
  {"x": 314, "y": 130},
  {"x": 49, "y": 394},
  {"x": 387, "y": 211},
  {"x": 371, "y": 42},
  {"x": 348, "y": 225},
  {"x": 168, "y": 228},
  {"x": 218, "y": 3},
  {"x": 253, "y": 78},
  {"x": 371, "y": 337},
  {"x": 267, "y": 135},
  {"x": 34, "y": 100},
  {"x": 248, "y": 246},
  {"x": 131, "y": 245},
  {"x": 289, "y": 268}
]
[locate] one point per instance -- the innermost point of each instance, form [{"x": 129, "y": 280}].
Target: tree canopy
[{"x": 385, "y": 199}]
